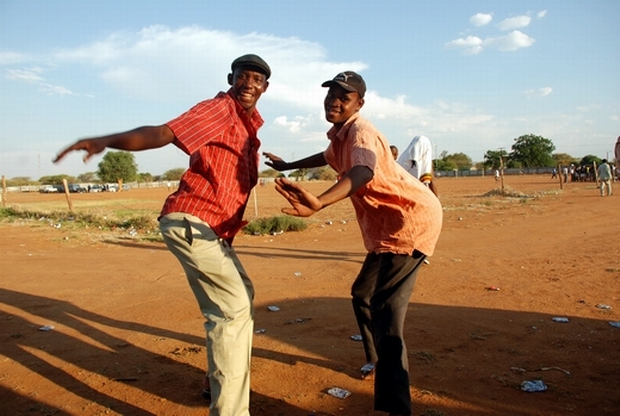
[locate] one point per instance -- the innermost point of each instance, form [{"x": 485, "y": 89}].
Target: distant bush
[{"x": 275, "y": 225}]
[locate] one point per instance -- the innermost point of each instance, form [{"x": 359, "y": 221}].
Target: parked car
[
  {"x": 48, "y": 189},
  {"x": 96, "y": 188},
  {"x": 74, "y": 187}
]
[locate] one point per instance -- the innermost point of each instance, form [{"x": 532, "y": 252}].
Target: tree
[
  {"x": 493, "y": 159},
  {"x": 87, "y": 177},
  {"x": 532, "y": 151},
  {"x": 589, "y": 159},
  {"x": 443, "y": 164},
  {"x": 145, "y": 177},
  {"x": 324, "y": 173},
  {"x": 563, "y": 159},
  {"x": 118, "y": 165},
  {"x": 173, "y": 174},
  {"x": 20, "y": 181},
  {"x": 270, "y": 173},
  {"x": 456, "y": 161},
  {"x": 299, "y": 174},
  {"x": 55, "y": 179}
]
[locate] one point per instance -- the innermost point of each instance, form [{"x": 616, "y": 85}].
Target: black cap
[
  {"x": 350, "y": 81},
  {"x": 251, "y": 61}
]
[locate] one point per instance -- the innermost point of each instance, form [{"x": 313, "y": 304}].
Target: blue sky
[{"x": 472, "y": 76}]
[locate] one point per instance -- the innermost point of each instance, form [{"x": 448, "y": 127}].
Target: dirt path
[{"x": 127, "y": 336}]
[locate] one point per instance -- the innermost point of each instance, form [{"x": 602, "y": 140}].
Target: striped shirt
[
  {"x": 396, "y": 212},
  {"x": 221, "y": 140}
]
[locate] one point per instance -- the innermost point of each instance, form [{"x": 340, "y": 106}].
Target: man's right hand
[{"x": 91, "y": 146}]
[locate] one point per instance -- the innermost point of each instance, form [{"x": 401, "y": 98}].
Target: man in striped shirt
[
  {"x": 400, "y": 220},
  {"x": 199, "y": 220}
]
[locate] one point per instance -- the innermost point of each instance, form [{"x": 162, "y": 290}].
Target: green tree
[
  {"x": 145, "y": 177},
  {"x": 563, "y": 159},
  {"x": 20, "y": 181},
  {"x": 532, "y": 151},
  {"x": 324, "y": 173},
  {"x": 87, "y": 177},
  {"x": 299, "y": 174},
  {"x": 459, "y": 161},
  {"x": 493, "y": 158},
  {"x": 442, "y": 164},
  {"x": 269, "y": 173},
  {"x": 118, "y": 165},
  {"x": 55, "y": 179},
  {"x": 173, "y": 174},
  {"x": 589, "y": 159}
]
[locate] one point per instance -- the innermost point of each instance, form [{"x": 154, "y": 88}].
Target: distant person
[
  {"x": 496, "y": 175},
  {"x": 417, "y": 159},
  {"x": 400, "y": 220},
  {"x": 200, "y": 220},
  {"x": 617, "y": 155},
  {"x": 565, "y": 173},
  {"x": 605, "y": 177},
  {"x": 554, "y": 173},
  {"x": 394, "y": 151}
]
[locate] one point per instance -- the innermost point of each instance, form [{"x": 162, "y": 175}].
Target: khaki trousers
[{"x": 224, "y": 293}]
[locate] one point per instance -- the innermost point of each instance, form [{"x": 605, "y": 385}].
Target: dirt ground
[{"x": 127, "y": 336}]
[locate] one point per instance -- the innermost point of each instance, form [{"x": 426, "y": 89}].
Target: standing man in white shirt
[{"x": 417, "y": 159}]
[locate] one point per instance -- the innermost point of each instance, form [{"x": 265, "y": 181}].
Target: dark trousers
[{"x": 381, "y": 295}]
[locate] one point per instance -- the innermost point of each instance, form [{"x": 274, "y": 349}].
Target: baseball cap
[
  {"x": 251, "y": 61},
  {"x": 350, "y": 81}
]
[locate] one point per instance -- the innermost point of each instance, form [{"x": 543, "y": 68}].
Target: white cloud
[
  {"x": 11, "y": 58},
  {"x": 481, "y": 19},
  {"x": 539, "y": 92},
  {"x": 293, "y": 126},
  {"x": 54, "y": 89},
  {"x": 541, "y": 14},
  {"x": 33, "y": 76},
  {"x": 190, "y": 63},
  {"x": 472, "y": 45},
  {"x": 25, "y": 75},
  {"x": 516, "y": 22},
  {"x": 511, "y": 42}
]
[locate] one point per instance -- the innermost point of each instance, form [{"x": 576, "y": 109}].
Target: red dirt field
[{"x": 127, "y": 335}]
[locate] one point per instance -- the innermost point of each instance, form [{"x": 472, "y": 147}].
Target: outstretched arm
[
  {"x": 142, "y": 138},
  {"x": 278, "y": 164}
]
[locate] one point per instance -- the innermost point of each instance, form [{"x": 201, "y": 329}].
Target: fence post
[
  {"x": 3, "y": 194},
  {"x": 64, "y": 183}
]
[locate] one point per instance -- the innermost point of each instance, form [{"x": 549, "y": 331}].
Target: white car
[{"x": 48, "y": 189}]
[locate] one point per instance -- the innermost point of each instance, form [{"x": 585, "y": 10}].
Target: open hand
[{"x": 303, "y": 203}]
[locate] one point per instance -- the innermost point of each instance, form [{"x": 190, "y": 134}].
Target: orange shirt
[{"x": 395, "y": 211}]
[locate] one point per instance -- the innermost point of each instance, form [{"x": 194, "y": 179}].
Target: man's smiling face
[
  {"x": 247, "y": 85},
  {"x": 341, "y": 104}
]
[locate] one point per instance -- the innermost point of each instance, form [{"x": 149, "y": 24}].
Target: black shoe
[{"x": 206, "y": 394}]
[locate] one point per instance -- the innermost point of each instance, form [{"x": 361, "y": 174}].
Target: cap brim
[{"x": 331, "y": 83}]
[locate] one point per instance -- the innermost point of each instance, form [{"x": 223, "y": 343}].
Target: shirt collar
[
  {"x": 256, "y": 120},
  {"x": 341, "y": 134}
]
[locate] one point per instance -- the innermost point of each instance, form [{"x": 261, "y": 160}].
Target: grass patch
[
  {"x": 275, "y": 225},
  {"x": 80, "y": 219}
]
